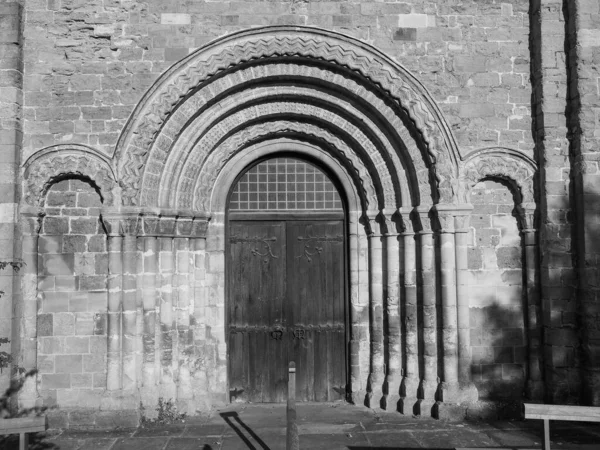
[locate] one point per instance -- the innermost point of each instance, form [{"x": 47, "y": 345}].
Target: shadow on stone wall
[{"x": 498, "y": 352}]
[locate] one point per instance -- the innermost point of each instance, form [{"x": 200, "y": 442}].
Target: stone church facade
[{"x": 402, "y": 197}]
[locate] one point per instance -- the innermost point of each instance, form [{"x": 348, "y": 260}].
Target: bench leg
[
  {"x": 24, "y": 441},
  {"x": 546, "y": 434}
]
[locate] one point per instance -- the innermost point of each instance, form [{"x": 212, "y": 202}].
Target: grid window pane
[{"x": 284, "y": 184}]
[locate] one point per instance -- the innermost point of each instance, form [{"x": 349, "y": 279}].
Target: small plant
[{"x": 167, "y": 413}]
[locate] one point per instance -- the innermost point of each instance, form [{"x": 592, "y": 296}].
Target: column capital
[
  {"x": 453, "y": 218},
  {"x": 164, "y": 223},
  {"x": 30, "y": 219},
  {"x": 527, "y": 215},
  {"x": 423, "y": 213}
]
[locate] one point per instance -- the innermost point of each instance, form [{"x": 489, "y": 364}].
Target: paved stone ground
[{"x": 332, "y": 426}]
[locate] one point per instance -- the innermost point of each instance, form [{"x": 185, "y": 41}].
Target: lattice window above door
[{"x": 284, "y": 184}]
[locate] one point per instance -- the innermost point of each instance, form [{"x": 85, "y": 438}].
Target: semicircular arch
[{"x": 169, "y": 95}]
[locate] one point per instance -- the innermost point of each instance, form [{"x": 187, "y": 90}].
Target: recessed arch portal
[
  {"x": 301, "y": 74},
  {"x": 286, "y": 295}
]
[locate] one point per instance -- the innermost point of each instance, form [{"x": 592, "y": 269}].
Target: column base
[
  {"x": 391, "y": 390},
  {"x": 358, "y": 397},
  {"x": 409, "y": 406},
  {"x": 409, "y": 397},
  {"x": 425, "y": 407}
]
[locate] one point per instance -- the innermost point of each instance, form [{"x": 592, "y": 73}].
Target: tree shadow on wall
[{"x": 499, "y": 357}]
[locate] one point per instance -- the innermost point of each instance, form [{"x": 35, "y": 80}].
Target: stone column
[
  {"x": 410, "y": 382},
  {"x": 392, "y": 308},
  {"x": 461, "y": 230},
  {"x": 150, "y": 304},
  {"x": 358, "y": 330},
  {"x": 115, "y": 303},
  {"x": 376, "y": 376},
  {"x": 199, "y": 301},
  {"x": 429, "y": 383},
  {"x": 449, "y": 307},
  {"x": 167, "y": 320},
  {"x": 181, "y": 284},
  {"x": 535, "y": 383},
  {"x": 25, "y": 302},
  {"x": 130, "y": 347}
]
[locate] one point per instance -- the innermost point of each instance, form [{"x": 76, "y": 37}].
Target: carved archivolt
[
  {"x": 509, "y": 165},
  {"x": 209, "y": 140},
  {"x": 205, "y": 179},
  {"x": 52, "y": 164},
  {"x": 377, "y": 70},
  {"x": 177, "y": 143}
]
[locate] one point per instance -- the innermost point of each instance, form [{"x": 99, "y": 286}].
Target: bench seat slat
[{"x": 562, "y": 412}]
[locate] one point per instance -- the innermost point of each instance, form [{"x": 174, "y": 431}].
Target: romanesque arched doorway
[{"x": 286, "y": 283}]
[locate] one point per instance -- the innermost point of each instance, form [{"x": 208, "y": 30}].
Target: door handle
[{"x": 277, "y": 333}]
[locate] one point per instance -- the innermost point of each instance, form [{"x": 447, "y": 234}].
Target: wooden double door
[{"x": 286, "y": 302}]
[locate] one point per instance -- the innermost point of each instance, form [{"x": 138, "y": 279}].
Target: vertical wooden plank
[
  {"x": 256, "y": 290},
  {"x": 546, "y": 434},
  {"x": 316, "y": 290}
]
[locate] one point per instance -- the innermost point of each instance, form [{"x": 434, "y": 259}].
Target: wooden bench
[
  {"x": 560, "y": 412},
  {"x": 23, "y": 426}
]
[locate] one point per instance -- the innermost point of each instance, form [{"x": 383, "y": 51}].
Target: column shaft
[
  {"x": 184, "y": 335},
  {"x": 449, "y": 312},
  {"x": 464, "y": 337},
  {"x": 376, "y": 315},
  {"x": 535, "y": 385},
  {"x": 356, "y": 328},
  {"x": 114, "y": 362},
  {"x": 149, "y": 301},
  {"x": 129, "y": 318},
  {"x": 166, "y": 309},
  {"x": 411, "y": 341},
  {"x": 394, "y": 334},
  {"x": 430, "y": 322}
]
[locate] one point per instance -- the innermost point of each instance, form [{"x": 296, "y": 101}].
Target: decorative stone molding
[
  {"x": 149, "y": 223},
  {"x": 326, "y": 48},
  {"x": 215, "y": 162},
  {"x": 62, "y": 161},
  {"x": 506, "y": 164},
  {"x": 209, "y": 124}
]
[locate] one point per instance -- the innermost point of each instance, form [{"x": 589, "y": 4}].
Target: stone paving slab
[{"x": 337, "y": 426}]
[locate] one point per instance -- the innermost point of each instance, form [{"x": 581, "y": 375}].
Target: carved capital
[
  {"x": 527, "y": 215},
  {"x": 121, "y": 222},
  {"x": 424, "y": 216},
  {"x": 453, "y": 218},
  {"x": 30, "y": 220},
  {"x": 405, "y": 217},
  {"x": 372, "y": 222}
]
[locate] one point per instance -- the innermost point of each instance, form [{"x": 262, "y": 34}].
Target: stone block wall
[
  {"x": 498, "y": 345},
  {"x": 515, "y": 73},
  {"x": 89, "y": 63},
  {"x": 72, "y": 287},
  {"x": 11, "y": 126}
]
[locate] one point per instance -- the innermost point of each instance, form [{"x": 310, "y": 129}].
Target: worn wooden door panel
[
  {"x": 256, "y": 292},
  {"x": 315, "y": 294}
]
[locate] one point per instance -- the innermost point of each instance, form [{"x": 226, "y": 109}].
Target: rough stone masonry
[{"x": 462, "y": 135}]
